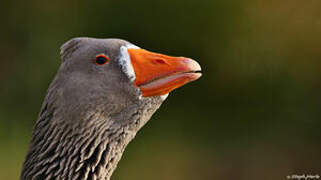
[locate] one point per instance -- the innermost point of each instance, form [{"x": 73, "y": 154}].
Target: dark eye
[{"x": 101, "y": 59}]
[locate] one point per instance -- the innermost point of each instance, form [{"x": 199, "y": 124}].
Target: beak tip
[
  {"x": 194, "y": 65},
  {"x": 196, "y": 76}
]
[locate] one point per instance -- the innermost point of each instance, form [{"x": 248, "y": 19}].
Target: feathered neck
[{"x": 63, "y": 147}]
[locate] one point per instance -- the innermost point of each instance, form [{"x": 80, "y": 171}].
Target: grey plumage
[{"x": 88, "y": 116}]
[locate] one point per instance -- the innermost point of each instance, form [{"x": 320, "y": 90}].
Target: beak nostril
[{"x": 160, "y": 61}]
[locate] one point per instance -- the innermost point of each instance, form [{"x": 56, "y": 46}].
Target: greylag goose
[{"x": 104, "y": 91}]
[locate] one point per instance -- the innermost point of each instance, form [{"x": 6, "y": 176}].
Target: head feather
[{"x": 68, "y": 48}]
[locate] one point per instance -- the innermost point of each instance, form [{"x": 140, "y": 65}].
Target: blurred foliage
[{"x": 254, "y": 114}]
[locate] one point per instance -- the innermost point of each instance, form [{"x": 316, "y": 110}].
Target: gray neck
[{"x": 84, "y": 149}]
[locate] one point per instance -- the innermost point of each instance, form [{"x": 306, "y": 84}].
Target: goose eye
[{"x": 101, "y": 59}]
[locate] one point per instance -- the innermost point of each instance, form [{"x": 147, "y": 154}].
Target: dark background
[{"x": 254, "y": 114}]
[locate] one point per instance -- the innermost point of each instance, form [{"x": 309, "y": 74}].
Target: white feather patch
[
  {"x": 125, "y": 62},
  {"x": 164, "y": 96}
]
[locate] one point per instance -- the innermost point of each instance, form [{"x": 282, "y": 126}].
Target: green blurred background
[{"x": 254, "y": 114}]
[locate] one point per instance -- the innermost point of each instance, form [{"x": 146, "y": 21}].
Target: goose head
[{"x": 104, "y": 91}]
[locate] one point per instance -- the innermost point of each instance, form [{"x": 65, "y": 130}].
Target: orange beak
[{"x": 158, "y": 74}]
